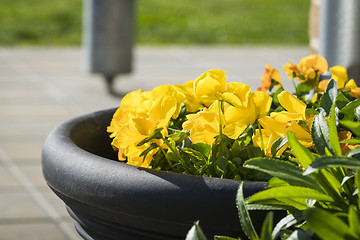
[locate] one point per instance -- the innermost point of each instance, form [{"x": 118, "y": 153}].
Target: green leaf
[
  {"x": 330, "y": 162},
  {"x": 267, "y": 227},
  {"x": 277, "y": 145},
  {"x": 276, "y": 182},
  {"x": 195, "y": 233},
  {"x": 354, "y": 220},
  {"x": 303, "y": 155},
  {"x": 270, "y": 206},
  {"x": 329, "y": 96},
  {"x": 155, "y": 135},
  {"x": 327, "y": 225},
  {"x": 320, "y": 134},
  {"x": 333, "y": 133},
  {"x": 290, "y": 192},
  {"x": 342, "y": 100},
  {"x": 204, "y": 148},
  {"x": 244, "y": 216},
  {"x": 348, "y": 112},
  {"x": 151, "y": 147},
  {"x": 304, "y": 88},
  {"x": 355, "y": 153},
  {"x": 225, "y": 238},
  {"x": 357, "y": 183},
  {"x": 283, "y": 170},
  {"x": 197, "y": 157},
  {"x": 351, "y": 141},
  {"x": 354, "y": 127}
]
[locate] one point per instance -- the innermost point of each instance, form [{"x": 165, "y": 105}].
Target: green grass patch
[{"x": 39, "y": 22}]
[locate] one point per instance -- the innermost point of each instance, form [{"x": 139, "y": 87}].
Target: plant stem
[
  {"x": 261, "y": 137},
  {"x": 220, "y": 118},
  {"x": 297, "y": 93},
  {"x": 168, "y": 160},
  {"x": 177, "y": 154}
]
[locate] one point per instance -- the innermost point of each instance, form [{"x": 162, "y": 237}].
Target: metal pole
[
  {"x": 340, "y": 34},
  {"x": 108, "y": 37}
]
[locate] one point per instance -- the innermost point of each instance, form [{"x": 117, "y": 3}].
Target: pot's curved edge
[{"x": 102, "y": 184}]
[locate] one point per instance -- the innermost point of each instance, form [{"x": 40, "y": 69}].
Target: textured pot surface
[{"x": 112, "y": 200}]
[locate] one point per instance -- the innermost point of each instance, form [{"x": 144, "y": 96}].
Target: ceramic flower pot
[{"x": 109, "y": 199}]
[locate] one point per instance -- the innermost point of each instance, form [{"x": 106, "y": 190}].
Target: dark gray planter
[{"x": 111, "y": 200}]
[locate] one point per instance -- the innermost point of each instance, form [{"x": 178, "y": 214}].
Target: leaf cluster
[{"x": 319, "y": 187}]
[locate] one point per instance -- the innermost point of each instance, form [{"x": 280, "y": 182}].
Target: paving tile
[
  {"x": 31, "y": 231},
  {"x": 70, "y": 227},
  {"x": 19, "y": 205},
  {"x": 35, "y": 131},
  {"x": 56, "y": 203},
  {"x": 23, "y": 151},
  {"x": 7, "y": 181},
  {"x": 33, "y": 112},
  {"x": 33, "y": 172}
]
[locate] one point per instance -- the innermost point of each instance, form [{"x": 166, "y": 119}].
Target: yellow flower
[
  {"x": 291, "y": 70},
  {"x": 191, "y": 101},
  {"x": 311, "y": 65},
  {"x": 209, "y": 84},
  {"x": 339, "y": 73},
  {"x": 139, "y": 128},
  {"x": 274, "y": 129},
  {"x": 237, "y": 119},
  {"x": 168, "y": 90},
  {"x": 204, "y": 125},
  {"x": 309, "y": 68},
  {"x": 268, "y": 137},
  {"x": 236, "y": 94},
  {"x": 133, "y": 104},
  {"x": 295, "y": 108},
  {"x": 269, "y": 75},
  {"x": 141, "y": 161}
]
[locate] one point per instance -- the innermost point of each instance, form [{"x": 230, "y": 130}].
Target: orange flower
[
  {"x": 309, "y": 68},
  {"x": 346, "y": 147},
  {"x": 271, "y": 74},
  {"x": 291, "y": 70}
]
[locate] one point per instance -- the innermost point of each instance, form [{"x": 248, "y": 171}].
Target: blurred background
[
  {"x": 161, "y": 22},
  {"x": 44, "y": 81}
]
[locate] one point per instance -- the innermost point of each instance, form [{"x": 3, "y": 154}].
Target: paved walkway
[{"x": 40, "y": 88}]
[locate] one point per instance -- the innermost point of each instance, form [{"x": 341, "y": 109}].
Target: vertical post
[
  {"x": 108, "y": 37},
  {"x": 340, "y": 34}
]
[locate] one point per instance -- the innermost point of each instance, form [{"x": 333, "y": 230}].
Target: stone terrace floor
[{"x": 42, "y": 87}]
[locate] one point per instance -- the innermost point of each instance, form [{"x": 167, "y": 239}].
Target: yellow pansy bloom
[
  {"x": 209, "y": 84},
  {"x": 309, "y": 68},
  {"x": 237, "y": 94},
  {"x": 168, "y": 90},
  {"x": 311, "y": 65},
  {"x": 191, "y": 101},
  {"x": 295, "y": 108},
  {"x": 274, "y": 129},
  {"x": 339, "y": 73},
  {"x": 139, "y": 128},
  {"x": 133, "y": 104},
  {"x": 204, "y": 125},
  {"x": 291, "y": 70}
]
